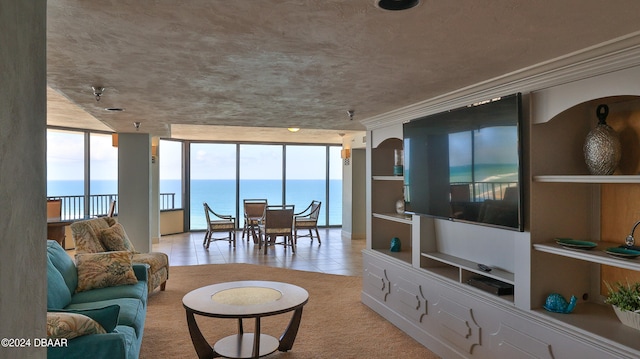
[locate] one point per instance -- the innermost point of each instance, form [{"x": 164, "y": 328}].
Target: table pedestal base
[{"x": 241, "y": 345}]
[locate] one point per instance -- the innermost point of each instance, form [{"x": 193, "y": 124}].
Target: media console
[{"x": 425, "y": 289}]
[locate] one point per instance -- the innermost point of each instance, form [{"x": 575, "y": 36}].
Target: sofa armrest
[{"x": 142, "y": 271}]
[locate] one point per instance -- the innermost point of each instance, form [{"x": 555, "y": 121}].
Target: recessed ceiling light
[
  {"x": 397, "y": 4},
  {"x": 114, "y": 109},
  {"x": 293, "y": 129}
]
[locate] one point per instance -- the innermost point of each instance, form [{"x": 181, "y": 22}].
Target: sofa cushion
[
  {"x": 115, "y": 238},
  {"x": 85, "y": 234},
  {"x": 63, "y": 262},
  {"x": 132, "y": 311},
  {"x": 155, "y": 260},
  {"x": 138, "y": 291},
  {"x": 106, "y": 269},
  {"x": 58, "y": 295},
  {"x": 107, "y": 316},
  {"x": 117, "y": 344},
  {"x": 71, "y": 325}
]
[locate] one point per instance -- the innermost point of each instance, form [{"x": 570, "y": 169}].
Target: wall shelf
[
  {"x": 388, "y": 178},
  {"x": 587, "y": 179},
  {"x": 395, "y": 217},
  {"x": 595, "y": 255},
  {"x": 470, "y": 266}
]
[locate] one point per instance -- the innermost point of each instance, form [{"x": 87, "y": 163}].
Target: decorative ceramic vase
[
  {"x": 602, "y": 146},
  {"x": 398, "y": 163},
  {"x": 630, "y": 319},
  {"x": 396, "y": 246},
  {"x": 400, "y": 206}
]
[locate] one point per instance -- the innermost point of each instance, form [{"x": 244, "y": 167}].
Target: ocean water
[{"x": 221, "y": 195}]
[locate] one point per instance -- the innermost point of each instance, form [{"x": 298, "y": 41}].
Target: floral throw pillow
[
  {"x": 115, "y": 238},
  {"x": 71, "y": 325},
  {"x": 105, "y": 269}
]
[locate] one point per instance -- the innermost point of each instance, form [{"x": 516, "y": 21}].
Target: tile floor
[{"x": 336, "y": 255}]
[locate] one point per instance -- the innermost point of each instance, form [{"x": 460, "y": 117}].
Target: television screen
[{"x": 464, "y": 164}]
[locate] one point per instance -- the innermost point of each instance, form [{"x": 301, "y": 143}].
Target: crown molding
[{"x": 606, "y": 57}]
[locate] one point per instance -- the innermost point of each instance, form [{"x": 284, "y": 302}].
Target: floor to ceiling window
[
  {"x": 82, "y": 170},
  {"x": 307, "y": 177},
  {"x": 103, "y": 172},
  {"x": 65, "y": 170},
  {"x": 212, "y": 180},
  {"x": 223, "y": 175},
  {"x": 171, "y": 174},
  {"x": 261, "y": 172}
]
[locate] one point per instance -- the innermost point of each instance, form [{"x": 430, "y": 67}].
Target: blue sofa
[{"x": 124, "y": 306}]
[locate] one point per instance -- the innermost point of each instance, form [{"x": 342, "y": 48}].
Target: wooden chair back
[
  {"x": 54, "y": 208},
  {"x": 279, "y": 217},
  {"x": 112, "y": 209},
  {"x": 254, "y": 208}
]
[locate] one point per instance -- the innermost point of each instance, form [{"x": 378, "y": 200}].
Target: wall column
[
  {"x": 155, "y": 190},
  {"x": 23, "y": 175},
  {"x": 135, "y": 188}
]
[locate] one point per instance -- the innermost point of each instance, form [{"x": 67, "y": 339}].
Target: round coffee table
[{"x": 239, "y": 300}]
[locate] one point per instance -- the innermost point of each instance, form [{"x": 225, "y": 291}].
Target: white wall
[{"x": 23, "y": 231}]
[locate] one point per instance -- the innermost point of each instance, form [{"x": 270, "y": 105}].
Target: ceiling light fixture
[
  {"x": 397, "y": 4},
  {"x": 114, "y": 109},
  {"x": 350, "y": 113},
  {"x": 293, "y": 129},
  {"x": 97, "y": 92},
  {"x": 136, "y": 125}
]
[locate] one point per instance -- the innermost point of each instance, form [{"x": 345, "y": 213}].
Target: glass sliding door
[
  {"x": 306, "y": 174},
  {"x": 212, "y": 180},
  {"x": 261, "y": 173}
]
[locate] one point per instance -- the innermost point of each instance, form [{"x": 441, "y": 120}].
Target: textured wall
[
  {"x": 22, "y": 174},
  {"x": 134, "y": 188}
]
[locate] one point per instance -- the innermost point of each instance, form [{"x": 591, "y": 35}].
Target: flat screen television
[{"x": 465, "y": 164}]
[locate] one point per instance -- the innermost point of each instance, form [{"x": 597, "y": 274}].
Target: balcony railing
[{"x": 73, "y": 207}]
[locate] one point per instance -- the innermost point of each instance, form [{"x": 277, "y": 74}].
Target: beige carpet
[{"x": 335, "y": 324}]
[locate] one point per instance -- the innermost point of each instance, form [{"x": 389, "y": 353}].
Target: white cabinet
[{"x": 423, "y": 289}]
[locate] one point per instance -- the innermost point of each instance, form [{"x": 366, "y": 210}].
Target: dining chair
[
  {"x": 112, "y": 209},
  {"x": 278, "y": 222},
  {"x": 253, "y": 216},
  {"x": 219, "y": 223},
  {"x": 54, "y": 208},
  {"x": 307, "y": 219}
]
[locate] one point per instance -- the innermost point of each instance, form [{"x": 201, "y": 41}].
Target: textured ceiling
[{"x": 295, "y": 63}]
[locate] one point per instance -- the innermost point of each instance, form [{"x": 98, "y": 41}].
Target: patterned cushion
[
  {"x": 107, "y": 316},
  {"x": 106, "y": 269},
  {"x": 71, "y": 325},
  {"x": 85, "y": 234},
  {"x": 277, "y": 230},
  {"x": 304, "y": 222},
  {"x": 155, "y": 260},
  {"x": 115, "y": 238},
  {"x": 222, "y": 225}
]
